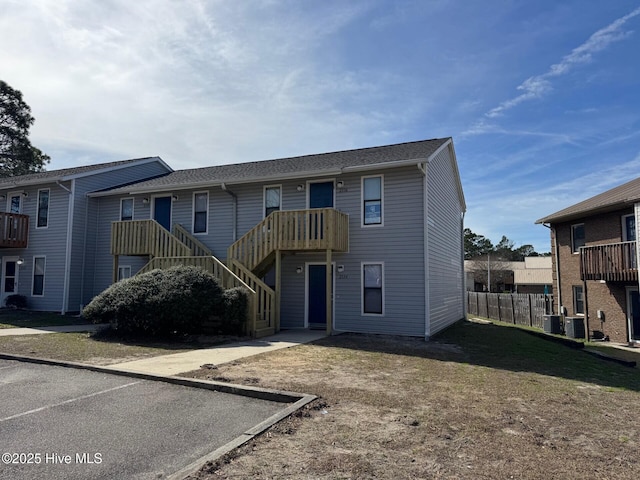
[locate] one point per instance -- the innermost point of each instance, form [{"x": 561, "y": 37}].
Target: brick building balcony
[{"x": 613, "y": 262}]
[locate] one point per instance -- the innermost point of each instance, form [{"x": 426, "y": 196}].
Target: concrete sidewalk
[
  {"x": 176, "y": 363},
  {"x": 6, "y": 332}
]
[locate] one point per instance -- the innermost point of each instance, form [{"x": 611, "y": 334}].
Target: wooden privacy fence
[{"x": 516, "y": 308}]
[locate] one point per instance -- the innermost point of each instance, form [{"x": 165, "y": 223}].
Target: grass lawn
[
  {"x": 78, "y": 347},
  {"x": 23, "y": 318},
  {"x": 477, "y": 402}
]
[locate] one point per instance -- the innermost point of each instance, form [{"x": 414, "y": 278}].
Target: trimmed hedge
[
  {"x": 16, "y": 301},
  {"x": 161, "y": 302},
  {"x": 235, "y": 302}
]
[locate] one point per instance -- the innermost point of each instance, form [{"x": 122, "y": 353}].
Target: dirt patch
[{"x": 480, "y": 402}]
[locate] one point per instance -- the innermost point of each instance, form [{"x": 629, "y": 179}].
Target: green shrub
[
  {"x": 160, "y": 302},
  {"x": 16, "y": 301},
  {"x": 235, "y": 302}
]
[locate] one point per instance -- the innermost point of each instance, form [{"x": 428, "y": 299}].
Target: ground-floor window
[
  {"x": 39, "y": 265},
  {"x": 578, "y": 300},
  {"x": 373, "y": 288},
  {"x": 124, "y": 271}
]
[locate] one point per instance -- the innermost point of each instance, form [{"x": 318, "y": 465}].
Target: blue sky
[{"x": 541, "y": 97}]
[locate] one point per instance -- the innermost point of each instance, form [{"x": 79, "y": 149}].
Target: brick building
[{"x": 594, "y": 256}]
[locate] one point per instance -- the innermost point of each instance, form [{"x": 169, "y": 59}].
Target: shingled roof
[
  {"x": 69, "y": 173},
  {"x": 619, "y": 197},
  {"x": 292, "y": 167}
]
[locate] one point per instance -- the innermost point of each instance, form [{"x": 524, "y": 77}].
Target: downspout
[
  {"x": 427, "y": 304},
  {"x": 84, "y": 250},
  {"x": 464, "y": 275},
  {"x": 556, "y": 252},
  {"x": 67, "y": 262},
  {"x": 235, "y": 210}
]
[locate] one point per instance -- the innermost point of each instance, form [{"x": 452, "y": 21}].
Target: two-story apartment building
[
  {"x": 366, "y": 240},
  {"x": 47, "y": 230},
  {"x": 595, "y": 261}
]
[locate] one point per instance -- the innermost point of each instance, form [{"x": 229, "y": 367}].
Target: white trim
[
  {"x": 123, "y": 267},
  {"x": 362, "y": 313},
  {"x": 572, "y": 239},
  {"x": 193, "y": 213},
  {"x": 16, "y": 286},
  {"x": 575, "y": 303},
  {"x": 306, "y": 292},
  {"x": 264, "y": 198},
  {"x": 362, "y": 214},
  {"x": 33, "y": 274},
  {"x": 425, "y": 241},
  {"x": 153, "y": 207},
  {"x": 323, "y": 180},
  {"x": 67, "y": 262},
  {"x": 38, "y": 207},
  {"x": 14, "y": 193},
  {"x": 133, "y": 206}
]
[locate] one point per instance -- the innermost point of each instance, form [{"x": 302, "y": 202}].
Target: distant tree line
[{"x": 477, "y": 246}]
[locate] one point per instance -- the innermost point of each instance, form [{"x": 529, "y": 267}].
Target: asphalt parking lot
[{"x": 66, "y": 423}]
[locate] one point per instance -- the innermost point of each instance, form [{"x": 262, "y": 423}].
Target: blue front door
[
  {"x": 317, "y": 296},
  {"x": 321, "y": 195},
  {"x": 162, "y": 211}
]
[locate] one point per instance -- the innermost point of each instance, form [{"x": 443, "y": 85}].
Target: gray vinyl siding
[
  {"x": 49, "y": 242},
  {"x": 85, "y": 225},
  {"x": 399, "y": 244},
  {"x": 444, "y": 244}
]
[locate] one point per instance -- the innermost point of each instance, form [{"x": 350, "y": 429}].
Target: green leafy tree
[
  {"x": 475, "y": 245},
  {"x": 17, "y": 155}
]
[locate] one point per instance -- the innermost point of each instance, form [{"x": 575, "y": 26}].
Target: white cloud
[{"x": 540, "y": 85}]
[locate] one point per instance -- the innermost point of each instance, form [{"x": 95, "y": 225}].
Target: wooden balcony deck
[
  {"x": 613, "y": 262},
  {"x": 292, "y": 230},
  {"x": 14, "y": 230}
]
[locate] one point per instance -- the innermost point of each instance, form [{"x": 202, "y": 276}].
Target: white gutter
[
  {"x": 67, "y": 262},
  {"x": 234, "y": 212},
  {"x": 425, "y": 222}
]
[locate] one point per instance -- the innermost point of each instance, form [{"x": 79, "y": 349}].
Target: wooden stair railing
[
  {"x": 198, "y": 249},
  {"x": 292, "y": 230},
  {"x": 145, "y": 237}
]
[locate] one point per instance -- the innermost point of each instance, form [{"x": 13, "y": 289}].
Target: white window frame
[
  {"x": 625, "y": 234},
  {"x": 193, "y": 213},
  {"x": 38, "y": 207},
  {"x": 123, "y": 268},
  {"x": 14, "y": 194},
  {"x": 362, "y": 312},
  {"x": 33, "y": 275},
  {"x": 575, "y": 299},
  {"x": 264, "y": 198},
  {"x": 573, "y": 249},
  {"x": 362, "y": 200},
  {"x": 133, "y": 206}
]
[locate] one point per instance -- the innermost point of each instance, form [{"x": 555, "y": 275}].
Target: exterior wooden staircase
[
  {"x": 248, "y": 259},
  {"x": 282, "y": 232},
  {"x": 167, "y": 249}
]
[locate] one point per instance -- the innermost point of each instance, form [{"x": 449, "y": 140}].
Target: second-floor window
[
  {"x": 271, "y": 199},
  {"x": 126, "y": 209},
  {"x": 372, "y": 200},
  {"x": 629, "y": 228},
  {"x": 577, "y": 237},
  {"x": 200, "y": 212},
  {"x": 43, "y": 209}
]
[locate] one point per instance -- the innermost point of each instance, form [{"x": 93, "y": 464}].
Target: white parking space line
[{"x": 71, "y": 400}]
